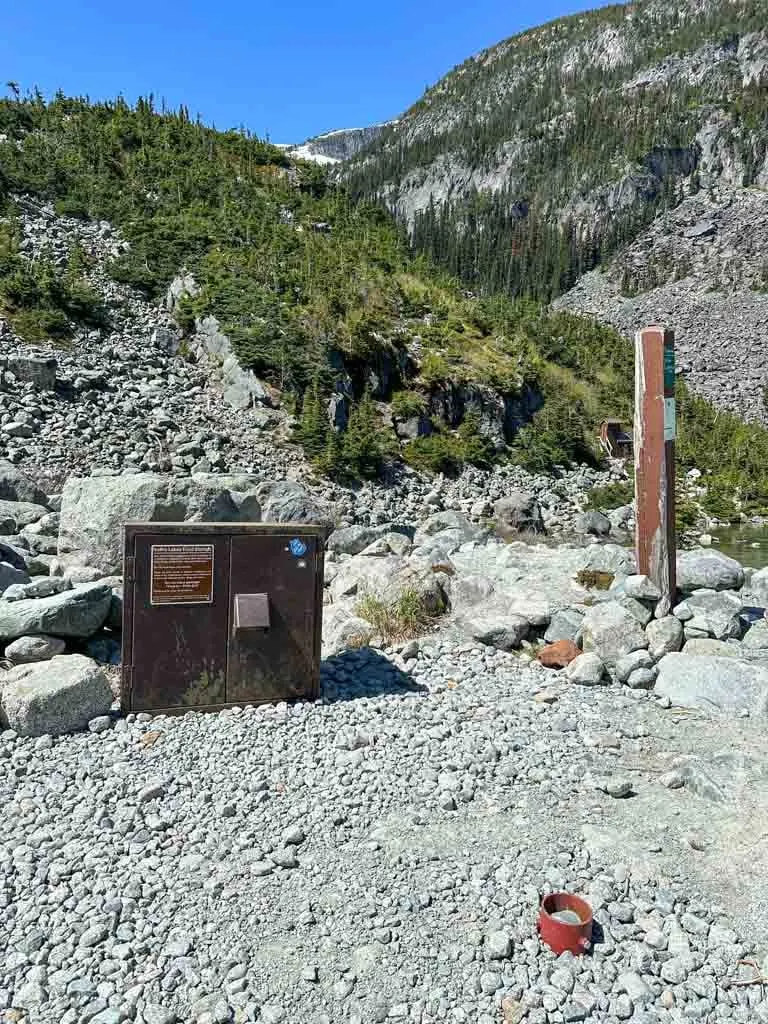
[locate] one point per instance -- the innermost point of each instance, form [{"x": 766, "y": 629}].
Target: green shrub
[
  {"x": 71, "y": 206},
  {"x": 476, "y": 449},
  {"x": 365, "y": 335},
  {"x": 611, "y": 496},
  {"x": 407, "y": 404},
  {"x": 687, "y": 515},
  {"x": 134, "y": 272},
  {"x": 434, "y": 369},
  {"x": 41, "y": 324},
  {"x": 718, "y": 502},
  {"x": 41, "y": 301},
  {"x": 435, "y": 453},
  {"x": 330, "y": 461}
]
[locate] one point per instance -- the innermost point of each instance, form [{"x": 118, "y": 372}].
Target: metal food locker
[{"x": 220, "y": 614}]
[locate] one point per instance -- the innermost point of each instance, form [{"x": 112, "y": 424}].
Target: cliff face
[
  {"x": 587, "y": 115},
  {"x": 577, "y": 159},
  {"x": 341, "y": 144}
]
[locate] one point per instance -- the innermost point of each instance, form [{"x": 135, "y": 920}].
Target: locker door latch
[{"x": 251, "y": 612}]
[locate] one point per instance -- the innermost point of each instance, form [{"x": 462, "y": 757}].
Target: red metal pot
[{"x": 565, "y": 923}]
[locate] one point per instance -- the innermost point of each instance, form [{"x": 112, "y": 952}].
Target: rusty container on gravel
[{"x": 565, "y": 923}]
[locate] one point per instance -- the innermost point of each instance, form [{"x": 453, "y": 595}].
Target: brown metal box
[{"x": 218, "y": 614}]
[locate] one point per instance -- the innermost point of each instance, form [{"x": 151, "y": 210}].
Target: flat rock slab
[
  {"x": 77, "y": 614},
  {"x": 18, "y": 514},
  {"x": 54, "y": 697},
  {"x": 713, "y": 684}
]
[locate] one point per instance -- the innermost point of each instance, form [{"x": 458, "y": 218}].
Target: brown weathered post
[{"x": 655, "y": 460}]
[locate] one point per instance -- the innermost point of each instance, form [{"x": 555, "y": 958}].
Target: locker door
[
  {"x": 178, "y": 643},
  {"x": 273, "y": 640}
]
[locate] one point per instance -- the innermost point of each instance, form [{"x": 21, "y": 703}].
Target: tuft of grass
[
  {"x": 402, "y": 619},
  {"x": 593, "y": 579}
]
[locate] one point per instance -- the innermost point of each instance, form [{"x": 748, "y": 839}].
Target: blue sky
[{"x": 291, "y": 69}]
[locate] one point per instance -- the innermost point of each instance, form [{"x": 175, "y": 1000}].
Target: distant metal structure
[
  {"x": 614, "y": 439},
  {"x": 655, "y": 431},
  {"x": 219, "y": 614}
]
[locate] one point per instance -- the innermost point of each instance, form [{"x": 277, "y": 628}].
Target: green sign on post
[{"x": 669, "y": 369}]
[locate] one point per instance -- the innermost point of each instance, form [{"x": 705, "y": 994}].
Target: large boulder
[
  {"x": 15, "y": 515},
  {"x": 716, "y": 648},
  {"x": 447, "y": 530},
  {"x": 40, "y": 586},
  {"x": 243, "y": 490},
  {"x": 15, "y": 486},
  {"x": 10, "y": 576},
  {"x": 28, "y": 649},
  {"x": 587, "y": 670},
  {"x": 470, "y": 590},
  {"x": 283, "y": 501},
  {"x": 14, "y": 555},
  {"x": 707, "y": 569},
  {"x": 505, "y": 631},
  {"x": 664, "y": 636},
  {"x": 610, "y": 631},
  {"x": 518, "y": 512},
  {"x": 94, "y": 510},
  {"x": 713, "y": 684},
  {"x": 756, "y": 637},
  {"x": 565, "y": 625},
  {"x": 54, "y": 697},
  {"x": 386, "y": 579},
  {"x": 611, "y": 558},
  {"x": 343, "y": 630},
  {"x": 711, "y": 613},
  {"x": 40, "y": 371},
  {"x": 351, "y": 540},
  {"x": 77, "y": 614},
  {"x": 593, "y": 522},
  {"x": 758, "y": 587}
]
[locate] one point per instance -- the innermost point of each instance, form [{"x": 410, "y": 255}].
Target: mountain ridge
[
  {"x": 337, "y": 145},
  {"x": 548, "y": 156}
]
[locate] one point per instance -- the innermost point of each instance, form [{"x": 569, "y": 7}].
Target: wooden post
[{"x": 655, "y": 460}]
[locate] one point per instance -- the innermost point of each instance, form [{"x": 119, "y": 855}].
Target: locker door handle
[{"x": 251, "y": 612}]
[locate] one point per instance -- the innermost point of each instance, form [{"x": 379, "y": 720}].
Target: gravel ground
[{"x": 378, "y": 855}]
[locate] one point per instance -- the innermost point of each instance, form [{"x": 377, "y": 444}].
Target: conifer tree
[
  {"x": 363, "y": 443},
  {"x": 313, "y": 428}
]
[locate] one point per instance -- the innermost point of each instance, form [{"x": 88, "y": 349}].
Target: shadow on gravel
[{"x": 364, "y": 673}]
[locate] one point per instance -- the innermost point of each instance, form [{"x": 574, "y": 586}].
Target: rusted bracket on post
[{"x": 655, "y": 430}]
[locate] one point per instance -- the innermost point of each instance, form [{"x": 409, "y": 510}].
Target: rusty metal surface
[
  {"x": 181, "y": 654},
  {"x": 654, "y": 465},
  {"x": 177, "y": 656},
  {"x": 278, "y": 663}
]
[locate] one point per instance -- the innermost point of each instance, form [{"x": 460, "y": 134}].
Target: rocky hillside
[
  {"x": 614, "y": 131},
  {"x": 273, "y": 270},
  {"x": 211, "y": 301},
  {"x": 702, "y": 268}
]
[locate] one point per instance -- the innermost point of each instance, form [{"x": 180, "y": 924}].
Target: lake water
[{"x": 747, "y": 544}]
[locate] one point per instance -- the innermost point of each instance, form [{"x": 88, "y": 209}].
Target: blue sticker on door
[{"x": 297, "y": 547}]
